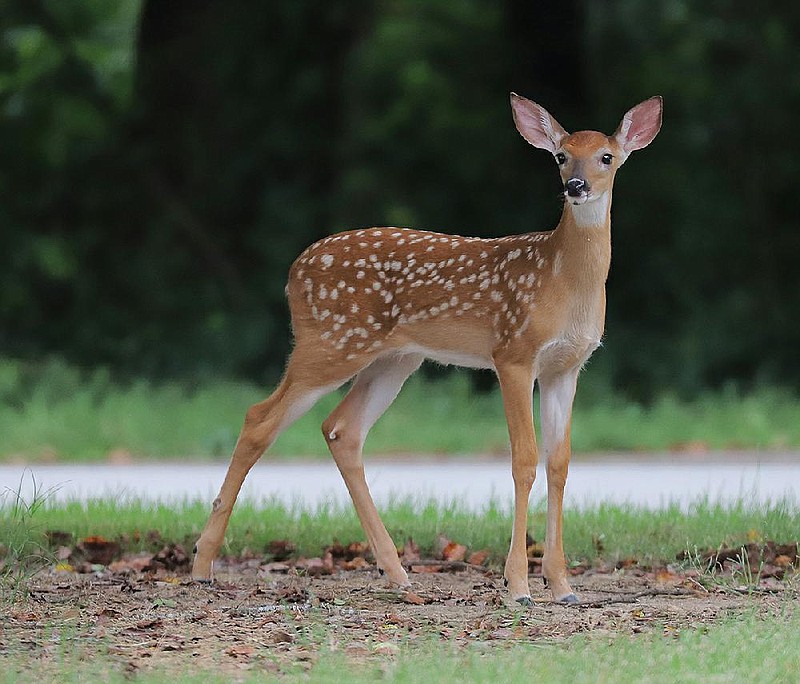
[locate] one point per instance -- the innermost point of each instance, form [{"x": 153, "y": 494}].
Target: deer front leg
[
  {"x": 516, "y": 384},
  {"x": 557, "y": 394}
]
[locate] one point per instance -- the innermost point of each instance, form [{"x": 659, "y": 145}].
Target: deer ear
[
  {"x": 536, "y": 125},
  {"x": 640, "y": 125}
]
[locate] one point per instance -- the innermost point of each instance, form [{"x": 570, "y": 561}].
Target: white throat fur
[{"x": 592, "y": 213}]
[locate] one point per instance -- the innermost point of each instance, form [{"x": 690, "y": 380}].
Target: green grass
[
  {"x": 651, "y": 536},
  {"x": 752, "y": 647},
  {"x": 52, "y": 411},
  {"x": 748, "y": 648}
]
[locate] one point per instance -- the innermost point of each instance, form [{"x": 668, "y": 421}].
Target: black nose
[{"x": 576, "y": 186}]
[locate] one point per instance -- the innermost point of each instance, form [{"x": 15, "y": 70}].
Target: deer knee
[
  {"x": 341, "y": 437},
  {"x": 557, "y": 468},
  {"x": 524, "y": 476}
]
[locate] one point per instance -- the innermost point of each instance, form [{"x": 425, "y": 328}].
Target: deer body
[{"x": 372, "y": 304}]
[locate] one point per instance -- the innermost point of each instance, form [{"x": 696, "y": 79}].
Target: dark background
[{"x": 163, "y": 162}]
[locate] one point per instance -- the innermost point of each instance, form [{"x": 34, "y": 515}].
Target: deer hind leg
[
  {"x": 305, "y": 381},
  {"x": 557, "y": 394},
  {"x": 345, "y": 430},
  {"x": 516, "y": 384}
]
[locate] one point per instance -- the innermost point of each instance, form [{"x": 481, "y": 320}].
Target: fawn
[{"x": 372, "y": 304}]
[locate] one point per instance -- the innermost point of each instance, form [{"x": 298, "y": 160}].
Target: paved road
[{"x": 651, "y": 480}]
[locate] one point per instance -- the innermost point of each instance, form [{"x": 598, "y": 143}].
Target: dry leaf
[
  {"x": 241, "y": 651},
  {"x": 280, "y": 637},
  {"x": 454, "y": 552},
  {"x": 478, "y": 557},
  {"x": 415, "y": 599},
  {"x": 98, "y": 550},
  {"x": 427, "y": 569},
  {"x": 280, "y": 549}
]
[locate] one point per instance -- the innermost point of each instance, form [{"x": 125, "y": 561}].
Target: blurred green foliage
[{"x": 161, "y": 164}]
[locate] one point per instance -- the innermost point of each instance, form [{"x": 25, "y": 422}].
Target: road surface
[{"x": 651, "y": 480}]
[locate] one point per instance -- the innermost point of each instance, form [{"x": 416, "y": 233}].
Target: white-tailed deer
[{"x": 373, "y": 304}]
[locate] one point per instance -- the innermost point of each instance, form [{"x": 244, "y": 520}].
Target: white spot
[{"x": 327, "y": 260}]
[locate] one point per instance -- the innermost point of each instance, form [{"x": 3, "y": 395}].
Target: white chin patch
[{"x": 581, "y": 199}]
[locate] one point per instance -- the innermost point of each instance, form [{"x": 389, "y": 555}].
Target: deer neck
[{"x": 584, "y": 235}]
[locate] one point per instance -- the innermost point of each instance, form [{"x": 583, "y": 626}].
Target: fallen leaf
[
  {"x": 243, "y": 651},
  {"x": 171, "y": 557},
  {"x": 136, "y": 563},
  {"x": 427, "y": 569},
  {"x": 313, "y": 567},
  {"x": 454, "y": 552},
  {"x": 666, "y": 577},
  {"x": 440, "y": 545},
  {"x": 327, "y": 562},
  {"x": 144, "y": 625},
  {"x": 280, "y": 549},
  {"x": 280, "y": 637},
  {"x": 98, "y": 550},
  {"x": 478, "y": 557},
  {"x": 358, "y": 563},
  {"x": 414, "y": 599}
]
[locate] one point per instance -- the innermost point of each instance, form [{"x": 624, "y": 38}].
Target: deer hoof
[
  {"x": 569, "y": 598},
  {"x": 525, "y": 601}
]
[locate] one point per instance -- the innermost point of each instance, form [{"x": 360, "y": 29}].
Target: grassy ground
[
  {"x": 605, "y": 532},
  {"x": 748, "y": 648},
  {"x": 754, "y": 647},
  {"x": 721, "y": 635},
  {"x": 52, "y": 411}
]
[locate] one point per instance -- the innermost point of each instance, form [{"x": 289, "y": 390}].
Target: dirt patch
[{"x": 252, "y": 619}]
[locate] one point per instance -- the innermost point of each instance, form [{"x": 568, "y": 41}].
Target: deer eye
[
  {"x": 561, "y": 158},
  {"x": 607, "y": 159}
]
